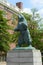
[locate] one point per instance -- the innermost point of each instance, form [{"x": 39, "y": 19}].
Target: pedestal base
[{"x": 24, "y": 57}]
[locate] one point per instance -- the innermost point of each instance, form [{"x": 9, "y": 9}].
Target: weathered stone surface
[{"x": 24, "y": 57}]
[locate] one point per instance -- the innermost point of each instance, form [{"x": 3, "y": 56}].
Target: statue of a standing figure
[{"x": 22, "y": 27}]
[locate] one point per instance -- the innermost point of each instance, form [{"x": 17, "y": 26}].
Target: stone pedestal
[{"x": 24, "y": 56}]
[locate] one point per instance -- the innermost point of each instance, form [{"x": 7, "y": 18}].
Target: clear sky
[
  {"x": 29, "y": 4},
  {"x": 26, "y": 3}
]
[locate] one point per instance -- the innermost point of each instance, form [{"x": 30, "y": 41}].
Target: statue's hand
[{"x": 16, "y": 29}]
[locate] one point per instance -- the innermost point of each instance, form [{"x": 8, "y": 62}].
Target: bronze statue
[{"x": 22, "y": 27}]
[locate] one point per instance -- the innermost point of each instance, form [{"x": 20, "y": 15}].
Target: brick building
[{"x": 9, "y": 12}]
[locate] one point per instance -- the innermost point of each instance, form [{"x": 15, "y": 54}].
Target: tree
[
  {"x": 33, "y": 21},
  {"x": 4, "y": 34},
  {"x": 33, "y": 25}
]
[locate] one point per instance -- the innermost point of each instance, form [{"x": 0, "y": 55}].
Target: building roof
[{"x": 10, "y": 6}]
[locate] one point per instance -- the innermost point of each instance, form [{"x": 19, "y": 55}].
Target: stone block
[{"x": 24, "y": 57}]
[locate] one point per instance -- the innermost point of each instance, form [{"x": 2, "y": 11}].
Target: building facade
[{"x": 9, "y": 10}]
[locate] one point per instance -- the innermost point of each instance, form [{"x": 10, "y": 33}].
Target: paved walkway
[{"x": 2, "y": 63}]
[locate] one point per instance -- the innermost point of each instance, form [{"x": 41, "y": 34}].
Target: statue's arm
[{"x": 16, "y": 29}]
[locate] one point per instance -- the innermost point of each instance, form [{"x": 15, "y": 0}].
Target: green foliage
[
  {"x": 33, "y": 25},
  {"x": 33, "y": 21},
  {"x": 4, "y": 34},
  {"x": 14, "y": 19},
  {"x": 15, "y": 37}
]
